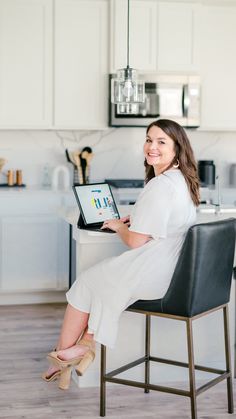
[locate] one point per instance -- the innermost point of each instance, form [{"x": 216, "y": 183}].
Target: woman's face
[{"x": 158, "y": 149}]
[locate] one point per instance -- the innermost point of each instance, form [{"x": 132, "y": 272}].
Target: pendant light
[{"x": 126, "y": 90}]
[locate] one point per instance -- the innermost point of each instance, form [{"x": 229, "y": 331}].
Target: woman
[{"x": 163, "y": 213}]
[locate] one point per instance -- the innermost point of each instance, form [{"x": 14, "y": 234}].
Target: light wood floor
[{"x": 26, "y": 335}]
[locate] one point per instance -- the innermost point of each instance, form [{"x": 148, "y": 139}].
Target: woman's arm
[{"x": 130, "y": 238}]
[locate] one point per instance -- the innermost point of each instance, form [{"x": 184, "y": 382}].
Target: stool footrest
[
  {"x": 126, "y": 367},
  {"x": 165, "y": 389},
  {"x": 212, "y": 383},
  {"x": 139, "y": 384},
  {"x": 186, "y": 365}
]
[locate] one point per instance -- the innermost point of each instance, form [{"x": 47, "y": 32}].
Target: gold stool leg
[
  {"x": 228, "y": 360},
  {"x": 147, "y": 351},
  {"x": 192, "y": 383}
]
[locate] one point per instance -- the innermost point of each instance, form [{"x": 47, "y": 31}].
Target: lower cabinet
[
  {"x": 34, "y": 248},
  {"x": 34, "y": 253}
]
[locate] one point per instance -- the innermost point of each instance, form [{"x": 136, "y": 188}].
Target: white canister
[{"x": 61, "y": 178}]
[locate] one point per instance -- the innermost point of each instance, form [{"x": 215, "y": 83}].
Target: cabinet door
[
  {"x": 25, "y": 63},
  {"x": 218, "y": 67},
  {"x": 143, "y": 35},
  {"x": 81, "y": 64},
  {"x": 34, "y": 253},
  {"x": 177, "y": 46}
]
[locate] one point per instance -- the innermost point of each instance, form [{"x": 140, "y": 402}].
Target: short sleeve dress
[{"x": 165, "y": 211}]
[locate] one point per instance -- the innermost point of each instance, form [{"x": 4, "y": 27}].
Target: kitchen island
[{"x": 92, "y": 247}]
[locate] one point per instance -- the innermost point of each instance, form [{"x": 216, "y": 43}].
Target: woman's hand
[
  {"x": 130, "y": 238},
  {"x": 126, "y": 220},
  {"x": 115, "y": 225}
]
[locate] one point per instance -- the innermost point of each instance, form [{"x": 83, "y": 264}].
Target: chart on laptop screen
[{"x": 97, "y": 203}]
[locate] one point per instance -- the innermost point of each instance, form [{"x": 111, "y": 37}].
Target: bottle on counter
[
  {"x": 46, "y": 183},
  {"x": 19, "y": 177},
  {"x": 61, "y": 178},
  {"x": 10, "y": 177}
]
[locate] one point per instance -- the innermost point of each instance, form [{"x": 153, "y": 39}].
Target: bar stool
[{"x": 200, "y": 285}]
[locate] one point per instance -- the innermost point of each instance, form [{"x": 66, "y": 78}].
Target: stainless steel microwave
[{"x": 175, "y": 97}]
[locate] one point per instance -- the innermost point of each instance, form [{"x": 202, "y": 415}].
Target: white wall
[{"x": 117, "y": 152}]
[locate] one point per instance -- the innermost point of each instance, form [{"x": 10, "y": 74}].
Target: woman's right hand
[{"x": 126, "y": 220}]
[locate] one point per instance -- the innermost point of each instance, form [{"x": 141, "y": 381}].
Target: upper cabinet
[
  {"x": 162, "y": 35},
  {"x": 177, "y": 42},
  {"x": 143, "y": 35},
  {"x": 25, "y": 63},
  {"x": 81, "y": 64},
  {"x": 53, "y": 64},
  {"x": 218, "y": 67}
]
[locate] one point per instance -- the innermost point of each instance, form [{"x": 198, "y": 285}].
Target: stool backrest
[{"x": 203, "y": 274}]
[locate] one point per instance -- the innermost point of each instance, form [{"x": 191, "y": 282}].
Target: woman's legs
[{"x": 74, "y": 324}]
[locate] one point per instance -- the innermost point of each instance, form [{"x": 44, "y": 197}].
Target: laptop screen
[{"x": 96, "y": 202}]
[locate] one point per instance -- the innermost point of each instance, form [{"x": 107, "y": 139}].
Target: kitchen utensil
[
  {"x": 81, "y": 162},
  {"x": 2, "y": 162},
  {"x": 85, "y": 159}
]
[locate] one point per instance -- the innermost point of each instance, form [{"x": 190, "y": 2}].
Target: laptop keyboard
[{"x": 105, "y": 230}]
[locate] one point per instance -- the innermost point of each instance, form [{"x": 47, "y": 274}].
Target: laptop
[{"x": 96, "y": 204}]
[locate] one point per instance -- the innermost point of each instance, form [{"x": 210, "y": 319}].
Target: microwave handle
[{"x": 185, "y": 100}]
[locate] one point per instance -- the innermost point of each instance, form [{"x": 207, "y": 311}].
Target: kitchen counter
[
  {"x": 205, "y": 213},
  {"x": 17, "y": 190}
]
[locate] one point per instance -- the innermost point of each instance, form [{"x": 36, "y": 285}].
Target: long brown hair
[{"x": 183, "y": 155}]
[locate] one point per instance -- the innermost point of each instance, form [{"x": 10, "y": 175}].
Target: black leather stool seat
[{"x": 154, "y": 306}]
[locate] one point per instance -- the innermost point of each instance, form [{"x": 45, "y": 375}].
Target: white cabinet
[
  {"x": 81, "y": 64},
  {"x": 53, "y": 64},
  {"x": 177, "y": 46},
  {"x": 162, "y": 35},
  {"x": 25, "y": 63},
  {"x": 34, "y": 244},
  {"x": 218, "y": 67},
  {"x": 31, "y": 253},
  {"x": 143, "y": 35}
]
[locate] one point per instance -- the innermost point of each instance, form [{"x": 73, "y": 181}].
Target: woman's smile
[{"x": 159, "y": 150}]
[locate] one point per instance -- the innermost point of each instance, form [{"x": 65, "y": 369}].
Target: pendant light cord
[{"x": 128, "y": 36}]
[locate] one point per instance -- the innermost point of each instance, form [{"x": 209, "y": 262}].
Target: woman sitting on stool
[{"x": 155, "y": 232}]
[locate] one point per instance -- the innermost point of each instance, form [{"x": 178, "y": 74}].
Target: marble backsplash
[{"x": 117, "y": 152}]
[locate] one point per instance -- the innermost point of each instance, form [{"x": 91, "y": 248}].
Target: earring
[{"x": 176, "y": 165}]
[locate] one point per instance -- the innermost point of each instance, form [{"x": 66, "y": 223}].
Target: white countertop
[
  {"x": 14, "y": 190},
  {"x": 205, "y": 214}
]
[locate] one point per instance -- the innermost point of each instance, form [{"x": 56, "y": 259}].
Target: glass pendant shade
[{"x": 126, "y": 88}]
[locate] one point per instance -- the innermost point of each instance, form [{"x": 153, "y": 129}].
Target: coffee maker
[{"x": 206, "y": 172}]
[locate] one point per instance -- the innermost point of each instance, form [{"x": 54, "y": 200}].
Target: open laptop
[{"x": 96, "y": 204}]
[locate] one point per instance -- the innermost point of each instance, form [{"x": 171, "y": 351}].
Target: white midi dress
[{"x": 165, "y": 211}]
